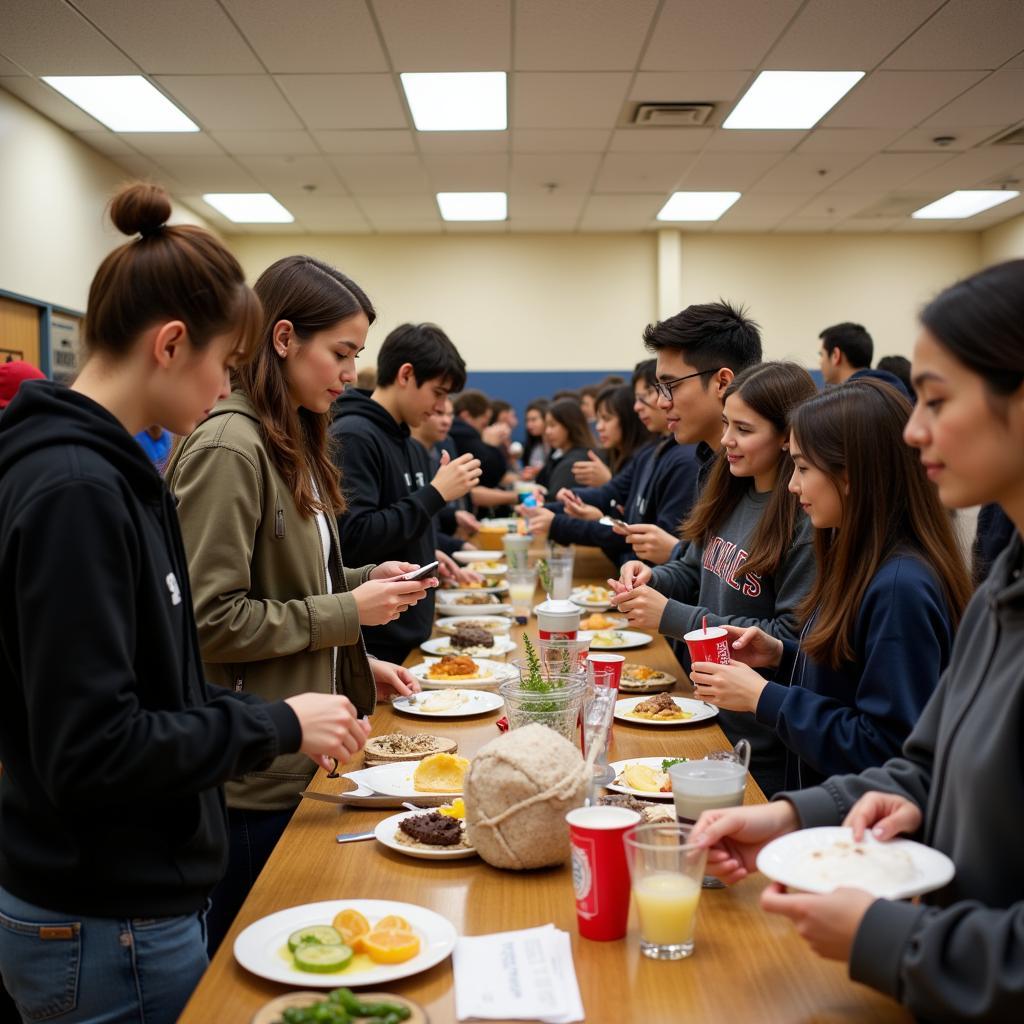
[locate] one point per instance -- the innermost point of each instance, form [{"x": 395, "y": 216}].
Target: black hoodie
[
  {"x": 391, "y": 507},
  {"x": 112, "y": 743}
]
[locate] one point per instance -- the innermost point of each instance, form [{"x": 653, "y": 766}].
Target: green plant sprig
[{"x": 544, "y": 575}]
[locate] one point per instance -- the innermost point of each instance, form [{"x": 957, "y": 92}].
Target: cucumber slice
[
  {"x": 319, "y": 935},
  {"x": 322, "y": 959}
]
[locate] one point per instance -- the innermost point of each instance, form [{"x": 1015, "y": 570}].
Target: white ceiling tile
[
  {"x": 898, "y": 99},
  {"x": 617, "y": 213},
  {"x": 581, "y": 35},
  {"x": 49, "y": 37},
  {"x": 542, "y": 225},
  {"x": 345, "y": 101},
  {"x": 160, "y": 144},
  {"x": 409, "y": 227},
  {"x": 871, "y": 225},
  {"x": 921, "y": 139},
  {"x": 835, "y": 207},
  {"x": 742, "y": 141},
  {"x": 807, "y": 173},
  {"x": 809, "y": 226},
  {"x": 213, "y": 217},
  {"x": 463, "y": 142},
  {"x": 447, "y": 35},
  {"x": 889, "y": 171},
  {"x": 848, "y": 140},
  {"x": 560, "y": 140},
  {"x": 469, "y": 227},
  {"x": 408, "y": 207},
  {"x": 181, "y": 38},
  {"x": 659, "y": 140},
  {"x": 106, "y": 142},
  {"x": 481, "y": 173},
  {"x": 292, "y": 173},
  {"x": 655, "y": 172},
  {"x": 242, "y": 143},
  {"x": 366, "y": 142},
  {"x": 325, "y": 213},
  {"x": 834, "y": 35},
  {"x": 728, "y": 171},
  {"x": 767, "y": 205},
  {"x": 570, "y": 172},
  {"x": 232, "y": 102},
  {"x": 986, "y": 167},
  {"x": 965, "y": 34},
  {"x": 998, "y": 101},
  {"x": 542, "y": 206},
  {"x": 48, "y": 101},
  {"x": 727, "y": 35},
  {"x": 144, "y": 169},
  {"x": 310, "y": 36},
  {"x": 688, "y": 86},
  {"x": 382, "y": 175},
  {"x": 8, "y": 67},
  {"x": 567, "y": 100},
  {"x": 210, "y": 174}
]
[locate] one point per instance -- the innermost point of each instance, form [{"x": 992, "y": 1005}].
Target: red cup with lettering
[
  {"x": 558, "y": 620},
  {"x": 605, "y": 669},
  {"x": 600, "y": 874},
  {"x": 711, "y": 644}
]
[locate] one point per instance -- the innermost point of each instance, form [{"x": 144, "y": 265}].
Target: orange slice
[
  {"x": 353, "y": 926},
  {"x": 392, "y": 923},
  {"x": 390, "y": 945}
]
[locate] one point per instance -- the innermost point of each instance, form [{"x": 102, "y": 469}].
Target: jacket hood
[
  {"x": 237, "y": 401},
  {"x": 45, "y": 414},
  {"x": 359, "y": 403}
]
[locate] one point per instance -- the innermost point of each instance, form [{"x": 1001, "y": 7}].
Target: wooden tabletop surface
[{"x": 748, "y": 966}]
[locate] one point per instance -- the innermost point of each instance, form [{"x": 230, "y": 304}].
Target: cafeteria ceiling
[{"x": 301, "y": 98}]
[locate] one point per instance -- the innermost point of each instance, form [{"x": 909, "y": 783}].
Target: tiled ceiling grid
[{"x": 302, "y": 99}]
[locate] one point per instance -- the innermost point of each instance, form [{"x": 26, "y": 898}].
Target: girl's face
[
  {"x": 587, "y": 405},
  {"x": 609, "y": 428},
  {"x": 752, "y": 444},
  {"x": 205, "y": 380},
  {"x": 554, "y": 433},
  {"x": 973, "y": 455},
  {"x": 316, "y": 371},
  {"x": 818, "y": 495},
  {"x": 534, "y": 423}
]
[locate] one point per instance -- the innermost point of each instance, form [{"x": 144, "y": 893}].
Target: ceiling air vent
[
  {"x": 672, "y": 115},
  {"x": 1011, "y": 138}
]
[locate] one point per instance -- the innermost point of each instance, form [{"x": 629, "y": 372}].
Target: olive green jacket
[{"x": 266, "y": 622}]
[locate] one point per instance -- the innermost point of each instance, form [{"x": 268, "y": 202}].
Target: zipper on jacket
[{"x": 279, "y": 523}]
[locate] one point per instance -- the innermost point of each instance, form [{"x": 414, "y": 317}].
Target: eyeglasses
[
  {"x": 664, "y": 388},
  {"x": 644, "y": 397}
]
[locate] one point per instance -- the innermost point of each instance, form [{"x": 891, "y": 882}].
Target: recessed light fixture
[
  {"x": 473, "y": 205},
  {"x": 964, "y": 203},
  {"x": 124, "y": 103},
  {"x": 249, "y": 207},
  {"x": 697, "y": 205},
  {"x": 462, "y": 101},
  {"x": 791, "y": 99}
]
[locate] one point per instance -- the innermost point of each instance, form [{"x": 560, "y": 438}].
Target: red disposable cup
[
  {"x": 711, "y": 644},
  {"x": 606, "y": 669},
  {"x": 600, "y": 875}
]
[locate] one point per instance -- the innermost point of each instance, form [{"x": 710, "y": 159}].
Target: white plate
[
  {"x": 577, "y": 596},
  {"x": 441, "y": 645},
  {"x": 651, "y": 762},
  {"x": 630, "y": 638},
  {"x": 478, "y": 702},
  {"x": 491, "y": 673},
  {"x": 785, "y": 860},
  {"x": 619, "y": 622},
  {"x": 385, "y": 834},
  {"x": 469, "y": 557},
  {"x": 258, "y": 947},
  {"x": 498, "y": 624},
  {"x": 392, "y": 780},
  {"x": 445, "y": 604},
  {"x": 701, "y": 711},
  {"x": 498, "y": 569}
]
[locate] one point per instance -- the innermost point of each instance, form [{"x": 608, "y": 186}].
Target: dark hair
[
  {"x": 898, "y": 366},
  {"x": 570, "y": 415},
  {"x": 178, "y": 272},
  {"x": 618, "y": 401},
  {"x": 980, "y": 321},
  {"x": 313, "y": 297},
  {"x": 645, "y": 372},
  {"x": 533, "y": 441},
  {"x": 709, "y": 336},
  {"x": 540, "y": 404},
  {"x": 589, "y": 389},
  {"x": 852, "y": 340},
  {"x": 566, "y": 395},
  {"x": 854, "y": 434},
  {"x": 772, "y": 390},
  {"x": 428, "y": 350},
  {"x": 498, "y": 406},
  {"x": 476, "y": 403},
  {"x": 611, "y": 381}
]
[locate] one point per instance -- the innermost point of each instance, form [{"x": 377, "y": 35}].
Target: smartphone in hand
[{"x": 430, "y": 569}]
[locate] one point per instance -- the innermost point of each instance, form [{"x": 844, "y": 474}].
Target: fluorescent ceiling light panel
[
  {"x": 964, "y": 203},
  {"x": 697, "y": 205},
  {"x": 457, "y": 101},
  {"x": 124, "y": 103},
  {"x": 249, "y": 207},
  {"x": 473, "y": 205},
  {"x": 791, "y": 99}
]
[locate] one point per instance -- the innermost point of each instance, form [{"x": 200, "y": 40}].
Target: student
[
  {"x": 472, "y": 435},
  {"x": 956, "y": 954},
  {"x": 112, "y": 825},
  {"x": 392, "y": 496},
  {"x": 845, "y": 354},
  {"x": 749, "y": 559},
  {"x": 156, "y": 443},
  {"x": 536, "y": 449},
  {"x": 889, "y": 589},
  {"x": 278, "y": 612},
  {"x": 898, "y": 366},
  {"x": 567, "y": 434}
]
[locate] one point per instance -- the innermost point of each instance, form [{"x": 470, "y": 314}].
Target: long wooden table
[{"x": 748, "y": 966}]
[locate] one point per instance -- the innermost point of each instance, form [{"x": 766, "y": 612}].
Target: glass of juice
[
  {"x": 665, "y": 872},
  {"x": 521, "y": 586}
]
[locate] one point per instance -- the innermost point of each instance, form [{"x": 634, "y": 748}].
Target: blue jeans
[{"x": 98, "y": 970}]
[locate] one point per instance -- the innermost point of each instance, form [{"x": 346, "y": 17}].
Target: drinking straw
[{"x": 704, "y": 624}]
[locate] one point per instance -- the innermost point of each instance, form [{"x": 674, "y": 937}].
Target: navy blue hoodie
[{"x": 113, "y": 745}]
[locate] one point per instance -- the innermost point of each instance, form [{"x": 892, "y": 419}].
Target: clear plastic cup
[
  {"x": 557, "y": 707},
  {"x": 522, "y": 585},
  {"x": 560, "y": 562}
]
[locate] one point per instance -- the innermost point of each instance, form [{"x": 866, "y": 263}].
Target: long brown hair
[
  {"x": 567, "y": 411},
  {"x": 618, "y": 401},
  {"x": 772, "y": 390},
  {"x": 854, "y": 435},
  {"x": 313, "y": 297}
]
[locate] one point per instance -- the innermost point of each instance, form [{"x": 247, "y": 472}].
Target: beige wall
[{"x": 1003, "y": 242}]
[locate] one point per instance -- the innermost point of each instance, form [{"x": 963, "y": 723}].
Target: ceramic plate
[
  {"x": 441, "y": 645},
  {"x": 469, "y": 557},
  {"x": 822, "y": 859},
  {"x": 490, "y": 568},
  {"x": 617, "y": 621},
  {"x": 701, "y": 712},
  {"x": 617, "y": 639},
  {"x": 446, "y": 605},
  {"x": 393, "y": 780},
  {"x": 657, "y": 683},
  {"x": 262, "y": 948},
  {"x": 476, "y": 702},
  {"x": 385, "y": 834},
  {"x": 496, "y": 624},
  {"x": 491, "y": 673},
  {"x": 643, "y": 794},
  {"x": 586, "y": 598}
]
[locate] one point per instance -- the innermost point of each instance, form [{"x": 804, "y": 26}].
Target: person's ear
[
  {"x": 836, "y": 356},
  {"x": 282, "y": 334},
  {"x": 722, "y": 379},
  {"x": 169, "y": 343},
  {"x": 406, "y": 374}
]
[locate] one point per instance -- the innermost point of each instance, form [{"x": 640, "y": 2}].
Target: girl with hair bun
[{"x": 114, "y": 747}]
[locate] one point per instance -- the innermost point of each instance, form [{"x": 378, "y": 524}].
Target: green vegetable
[
  {"x": 535, "y": 680},
  {"x": 544, "y": 575},
  {"x": 669, "y": 761},
  {"x": 318, "y": 935},
  {"x": 319, "y": 959}
]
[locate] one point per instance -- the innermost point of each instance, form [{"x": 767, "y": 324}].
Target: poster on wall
[{"x": 64, "y": 335}]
